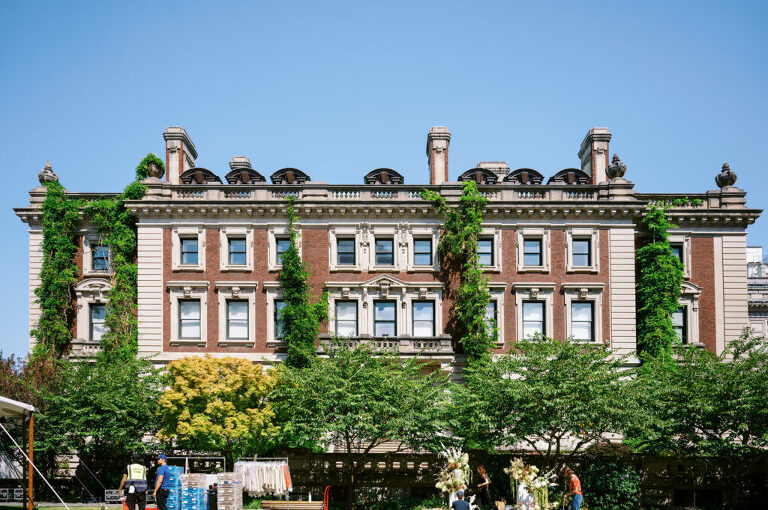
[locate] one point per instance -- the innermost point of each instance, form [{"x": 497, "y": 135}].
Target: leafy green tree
[
  {"x": 218, "y": 404},
  {"x": 357, "y": 400},
  {"x": 551, "y": 396},
  {"x": 703, "y": 404},
  {"x": 301, "y": 317},
  {"x": 458, "y": 246}
]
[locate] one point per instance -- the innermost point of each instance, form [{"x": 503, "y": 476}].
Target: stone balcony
[{"x": 402, "y": 345}]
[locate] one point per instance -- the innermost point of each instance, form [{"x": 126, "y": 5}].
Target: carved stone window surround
[{"x": 180, "y": 290}]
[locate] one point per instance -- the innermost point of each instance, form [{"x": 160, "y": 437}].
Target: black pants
[
  {"x": 134, "y": 498},
  {"x": 162, "y": 497}
]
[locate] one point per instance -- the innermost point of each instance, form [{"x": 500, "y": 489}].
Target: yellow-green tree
[{"x": 218, "y": 404}]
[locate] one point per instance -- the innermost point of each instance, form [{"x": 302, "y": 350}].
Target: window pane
[
  {"x": 490, "y": 312},
  {"x": 345, "y": 249},
  {"x": 582, "y": 321},
  {"x": 100, "y": 258},
  {"x": 423, "y": 318},
  {"x": 677, "y": 318},
  {"x": 384, "y": 318},
  {"x": 189, "y": 251},
  {"x": 279, "y": 323},
  {"x": 532, "y": 252},
  {"x": 189, "y": 309},
  {"x": 581, "y": 252},
  {"x": 677, "y": 251},
  {"x": 237, "y": 319},
  {"x": 533, "y": 311},
  {"x": 582, "y": 331},
  {"x": 384, "y": 329},
  {"x": 581, "y": 311},
  {"x": 237, "y": 252},
  {"x": 98, "y": 313},
  {"x": 282, "y": 247},
  {"x": 189, "y": 318},
  {"x": 384, "y": 252},
  {"x": 422, "y": 252},
  {"x": 346, "y": 318}
]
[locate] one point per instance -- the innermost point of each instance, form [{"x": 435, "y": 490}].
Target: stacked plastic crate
[
  {"x": 174, "y": 482},
  {"x": 230, "y": 493},
  {"x": 194, "y": 493}
]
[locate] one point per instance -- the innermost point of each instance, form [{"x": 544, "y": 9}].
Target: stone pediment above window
[
  {"x": 386, "y": 284},
  {"x": 289, "y": 176},
  {"x": 689, "y": 289},
  {"x": 569, "y": 176},
  {"x": 524, "y": 176},
  {"x": 199, "y": 176},
  {"x": 244, "y": 176},
  {"x": 93, "y": 288},
  {"x": 480, "y": 176},
  {"x": 384, "y": 176}
]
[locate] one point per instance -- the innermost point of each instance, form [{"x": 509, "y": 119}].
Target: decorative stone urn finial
[
  {"x": 726, "y": 177},
  {"x": 154, "y": 170},
  {"x": 616, "y": 169},
  {"x": 47, "y": 174}
]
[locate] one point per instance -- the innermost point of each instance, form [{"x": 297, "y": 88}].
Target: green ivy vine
[
  {"x": 301, "y": 317},
  {"x": 463, "y": 226},
  {"x": 658, "y": 287},
  {"x": 58, "y": 274}
]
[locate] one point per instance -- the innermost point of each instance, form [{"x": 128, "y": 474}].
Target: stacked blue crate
[
  {"x": 194, "y": 498},
  {"x": 174, "y": 481}
]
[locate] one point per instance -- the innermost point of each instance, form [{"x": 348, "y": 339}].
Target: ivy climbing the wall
[
  {"x": 58, "y": 274},
  {"x": 463, "y": 226},
  {"x": 301, "y": 317},
  {"x": 658, "y": 287}
]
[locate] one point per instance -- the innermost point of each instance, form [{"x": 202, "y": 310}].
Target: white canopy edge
[{"x": 13, "y": 408}]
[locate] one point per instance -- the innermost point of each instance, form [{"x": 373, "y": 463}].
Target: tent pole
[
  {"x": 24, "y": 467},
  {"x": 31, "y": 459}
]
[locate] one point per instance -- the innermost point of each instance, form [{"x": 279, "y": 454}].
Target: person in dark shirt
[
  {"x": 460, "y": 504},
  {"x": 162, "y": 483}
]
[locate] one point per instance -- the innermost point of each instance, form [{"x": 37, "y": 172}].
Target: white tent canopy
[{"x": 14, "y": 409}]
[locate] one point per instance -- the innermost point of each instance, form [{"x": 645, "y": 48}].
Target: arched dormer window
[
  {"x": 569, "y": 176},
  {"x": 199, "y": 176},
  {"x": 480, "y": 176},
  {"x": 383, "y": 176},
  {"x": 289, "y": 176},
  {"x": 524, "y": 176},
  {"x": 244, "y": 176}
]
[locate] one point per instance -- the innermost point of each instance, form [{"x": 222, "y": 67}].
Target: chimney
[
  {"x": 594, "y": 154},
  {"x": 239, "y": 163},
  {"x": 500, "y": 168},
  {"x": 438, "y": 140},
  {"x": 180, "y": 153}
]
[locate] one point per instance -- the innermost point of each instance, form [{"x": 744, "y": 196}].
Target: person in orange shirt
[{"x": 574, "y": 488}]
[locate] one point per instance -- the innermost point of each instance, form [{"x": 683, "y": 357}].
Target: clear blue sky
[{"x": 338, "y": 89}]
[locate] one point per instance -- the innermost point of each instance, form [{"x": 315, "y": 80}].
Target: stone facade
[
  {"x": 560, "y": 255},
  {"x": 757, "y": 288}
]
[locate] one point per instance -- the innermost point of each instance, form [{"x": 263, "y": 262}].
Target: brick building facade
[{"x": 559, "y": 252}]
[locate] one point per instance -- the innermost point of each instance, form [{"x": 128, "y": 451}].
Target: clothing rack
[{"x": 256, "y": 458}]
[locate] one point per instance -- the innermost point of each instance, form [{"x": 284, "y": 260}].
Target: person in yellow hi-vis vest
[{"x": 135, "y": 482}]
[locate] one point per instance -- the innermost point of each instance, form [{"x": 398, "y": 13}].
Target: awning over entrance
[{"x": 14, "y": 409}]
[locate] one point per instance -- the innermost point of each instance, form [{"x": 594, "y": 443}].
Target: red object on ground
[
  {"x": 149, "y": 507},
  {"x": 326, "y": 497}
]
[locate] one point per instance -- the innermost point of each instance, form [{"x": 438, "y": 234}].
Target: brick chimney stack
[
  {"x": 438, "y": 140},
  {"x": 594, "y": 154},
  {"x": 180, "y": 153}
]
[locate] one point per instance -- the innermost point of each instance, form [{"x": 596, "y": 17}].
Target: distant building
[
  {"x": 757, "y": 288},
  {"x": 558, "y": 246}
]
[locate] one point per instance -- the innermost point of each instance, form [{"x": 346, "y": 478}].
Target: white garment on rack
[{"x": 263, "y": 477}]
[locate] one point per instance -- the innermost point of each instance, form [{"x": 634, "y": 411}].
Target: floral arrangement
[
  {"x": 537, "y": 484},
  {"x": 455, "y": 475}
]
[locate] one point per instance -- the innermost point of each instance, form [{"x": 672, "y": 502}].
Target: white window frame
[
  {"x": 180, "y": 233},
  {"x": 420, "y": 233},
  {"x": 273, "y": 234},
  {"x": 225, "y": 233},
  {"x": 685, "y": 241},
  {"x": 689, "y": 298},
  {"x": 495, "y": 234},
  {"x": 541, "y": 234},
  {"x": 343, "y": 232},
  {"x": 585, "y": 292},
  {"x": 383, "y": 234},
  {"x": 497, "y": 291},
  {"x": 580, "y": 233},
  {"x": 188, "y": 290},
  {"x": 534, "y": 291},
  {"x": 89, "y": 242},
  {"x": 274, "y": 293},
  {"x": 87, "y": 292},
  {"x": 244, "y": 291},
  {"x": 333, "y": 314}
]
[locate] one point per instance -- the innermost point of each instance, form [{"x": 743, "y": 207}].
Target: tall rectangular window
[
  {"x": 679, "y": 324},
  {"x": 485, "y": 252},
  {"x": 533, "y": 318},
  {"x": 282, "y": 246},
  {"x": 582, "y": 321},
  {"x": 385, "y": 252},
  {"x": 423, "y": 318},
  {"x": 189, "y": 318},
  {"x": 677, "y": 251},
  {"x": 97, "y": 326},
  {"x": 279, "y": 322},
  {"x": 582, "y": 252},
  {"x": 237, "y": 319},
  {"x": 384, "y": 318},
  {"x": 100, "y": 258},
  {"x": 532, "y": 252},
  {"x": 345, "y": 252},
  {"x": 237, "y": 256},
  {"x": 491, "y": 315},
  {"x": 189, "y": 251},
  {"x": 422, "y": 252},
  {"x": 346, "y": 318}
]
